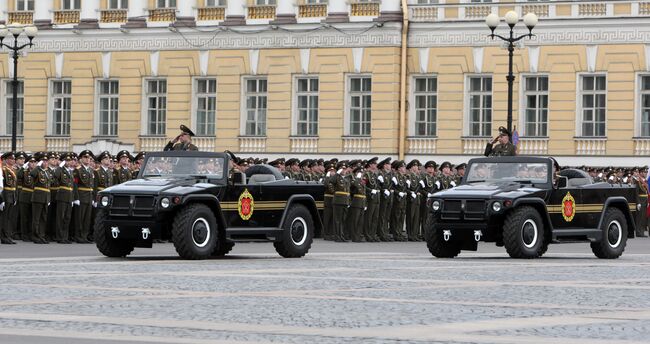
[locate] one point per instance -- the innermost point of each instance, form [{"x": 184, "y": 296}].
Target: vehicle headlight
[
  {"x": 435, "y": 205},
  {"x": 165, "y": 203},
  {"x": 104, "y": 201},
  {"x": 496, "y": 206}
]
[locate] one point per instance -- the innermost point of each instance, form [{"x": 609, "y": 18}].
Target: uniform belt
[
  {"x": 329, "y": 195},
  {"x": 65, "y": 188},
  {"x": 19, "y": 186},
  {"x": 9, "y": 188},
  {"x": 54, "y": 188},
  {"x": 100, "y": 188},
  {"x": 360, "y": 196},
  {"x": 85, "y": 189},
  {"x": 42, "y": 189},
  {"x": 27, "y": 189},
  {"x": 342, "y": 193},
  {"x": 643, "y": 195}
]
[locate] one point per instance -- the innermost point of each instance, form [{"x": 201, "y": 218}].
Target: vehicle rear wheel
[
  {"x": 614, "y": 239},
  {"x": 104, "y": 240},
  {"x": 523, "y": 233},
  {"x": 298, "y": 233},
  {"x": 440, "y": 248},
  {"x": 194, "y": 232}
]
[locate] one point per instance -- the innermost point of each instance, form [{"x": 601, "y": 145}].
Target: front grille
[
  {"x": 463, "y": 209},
  {"x": 141, "y": 206},
  {"x": 143, "y": 202},
  {"x": 451, "y": 206},
  {"x": 475, "y": 210},
  {"x": 121, "y": 202}
]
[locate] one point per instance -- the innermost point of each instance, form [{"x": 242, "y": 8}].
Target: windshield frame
[
  {"x": 192, "y": 154},
  {"x": 512, "y": 160}
]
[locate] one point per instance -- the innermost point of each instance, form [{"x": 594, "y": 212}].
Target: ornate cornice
[{"x": 187, "y": 39}]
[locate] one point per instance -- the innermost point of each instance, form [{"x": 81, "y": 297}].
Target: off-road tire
[
  {"x": 614, "y": 239},
  {"x": 438, "y": 247},
  {"x": 518, "y": 227},
  {"x": 222, "y": 247},
  {"x": 195, "y": 232},
  {"x": 298, "y": 233},
  {"x": 108, "y": 246}
]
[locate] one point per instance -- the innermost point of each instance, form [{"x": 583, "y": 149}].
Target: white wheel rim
[
  {"x": 207, "y": 236},
  {"x": 533, "y": 225},
  {"x": 619, "y": 233},
  {"x": 303, "y": 237}
]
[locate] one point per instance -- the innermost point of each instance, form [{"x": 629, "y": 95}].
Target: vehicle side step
[
  {"x": 576, "y": 234},
  {"x": 253, "y": 233}
]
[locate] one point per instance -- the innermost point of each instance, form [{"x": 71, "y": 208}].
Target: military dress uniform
[
  {"x": 431, "y": 185},
  {"x": 25, "y": 202},
  {"x": 340, "y": 202},
  {"x": 399, "y": 204},
  {"x": 328, "y": 224},
  {"x": 182, "y": 146},
  {"x": 354, "y": 221},
  {"x": 386, "y": 201},
  {"x": 414, "y": 184},
  {"x": 500, "y": 149},
  {"x": 373, "y": 199},
  {"x": 40, "y": 200},
  {"x": 10, "y": 199},
  {"x": 51, "y": 211},
  {"x": 65, "y": 198},
  {"x": 84, "y": 177},
  {"x": 103, "y": 180}
]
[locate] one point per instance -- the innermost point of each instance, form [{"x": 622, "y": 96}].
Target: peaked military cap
[
  {"x": 52, "y": 155},
  {"x": 504, "y": 131},
  {"x": 399, "y": 163},
  {"x": 8, "y": 155},
  {"x": 86, "y": 152},
  {"x": 187, "y": 130},
  {"x": 103, "y": 155},
  {"x": 461, "y": 166},
  {"x": 31, "y": 157},
  {"x": 373, "y": 161},
  {"x": 414, "y": 162},
  {"x": 312, "y": 163},
  {"x": 304, "y": 163},
  {"x": 21, "y": 155},
  {"x": 41, "y": 156},
  {"x": 122, "y": 153},
  {"x": 445, "y": 164},
  {"x": 341, "y": 164},
  {"x": 430, "y": 163},
  {"x": 383, "y": 162}
]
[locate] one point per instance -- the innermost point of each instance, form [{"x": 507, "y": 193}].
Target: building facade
[{"x": 323, "y": 78}]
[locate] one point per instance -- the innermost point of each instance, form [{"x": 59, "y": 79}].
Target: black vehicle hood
[
  {"x": 160, "y": 185},
  {"x": 484, "y": 191}
]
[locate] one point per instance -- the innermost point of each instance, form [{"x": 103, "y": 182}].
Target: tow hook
[
  {"x": 115, "y": 232},
  {"x": 446, "y": 234},
  {"x": 145, "y": 233},
  {"x": 477, "y": 235}
]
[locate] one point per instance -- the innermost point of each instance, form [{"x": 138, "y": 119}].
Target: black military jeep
[
  {"x": 191, "y": 199},
  {"x": 522, "y": 204}
]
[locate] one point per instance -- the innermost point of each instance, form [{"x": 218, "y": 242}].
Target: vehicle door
[
  {"x": 564, "y": 207},
  {"x": 239, "y": 203}
]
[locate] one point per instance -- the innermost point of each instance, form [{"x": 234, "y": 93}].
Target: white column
[
  {"x": 337, "y": 11},
  {"x": 235, "y": 13},
  {"x": 285, "y": 12},
  {"x": 43, "y": 13},
  {"x": 89, "y": 13},
  {"x": 136, "y": 15}
]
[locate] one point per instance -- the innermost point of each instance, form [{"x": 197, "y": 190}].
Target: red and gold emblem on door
[
  {"x": 568, "y": 207},
  {"x": 246, "y": 205}
]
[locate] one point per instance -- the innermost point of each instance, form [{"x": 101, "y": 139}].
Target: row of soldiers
[{"x": 49, "y": 196}]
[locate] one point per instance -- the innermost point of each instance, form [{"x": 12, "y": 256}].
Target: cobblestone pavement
[{"x": 339, "y": 293}]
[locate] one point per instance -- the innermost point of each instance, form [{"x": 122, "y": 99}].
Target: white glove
[
  {"x": 72, "y": 204},
  {"x": 600, "y": 175},
  {"x": 414, "y": 195},
  {"x": 328, "y": 174},
  {"x": 387, "y": 193},
  {"x": 320, "y": 180},
  {"x": 402, "y": 194},
  {"x": 380, "y": 178},
  {"x": 62, "y": 163},
  {"x": 611, "y": 177},
  {"x": 94, "y": 204},
  {"x": 359, "y": 175},
  {"x": 373, "y": 192},
  {"x": 625, "y": 180},
  {"x": 429, "y": 195},
  {"x": 395, "y": 180},
  {"x": 40, "y": 163},
  {"x": 438, "y": 184},
  {"x": 408, "y": 182},
  {"x": 2, "y": 206},
  {"x": 365, "y": 208},
  {"x": 48, "y": 204},
  {"x": 286, "y": 178},
  {"x": 453, "y": 183},
  {"x": 422, "y": 183},
  {"x": 339, "y": 171},
  {"x": 15, "y": 201},
  {"x": 76, "y": 202},
  {"x": 25, "y": 165}
]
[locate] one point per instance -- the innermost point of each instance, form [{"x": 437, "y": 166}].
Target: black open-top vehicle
[
  {"x": 193, "y": 200},
  {"x": 522, "y": 204}
]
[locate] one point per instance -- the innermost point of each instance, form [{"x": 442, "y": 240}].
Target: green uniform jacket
[
  {"x": 85, "y": 179},
  {"x": 180, "y": 146},
  {"x": 357, "y": 192},
  {"x": 370, "y": 179},
  {"x": 103, "y": 178},
  {"x": 121, "y": 175},
  {"x": 341, "y": 188},
  {"x": 65, "y": 179},
  {"x": 10, "y": 183},
  {"x": 28, "y": 186},
  {"x": 41, "y": 185},
  {"x": 500, "y": 150}
]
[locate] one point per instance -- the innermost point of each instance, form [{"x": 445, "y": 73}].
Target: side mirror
[{"x": 562, "y": 182}]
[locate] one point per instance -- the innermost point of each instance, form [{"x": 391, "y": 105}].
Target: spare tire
[{"x": 264, "y": 169}]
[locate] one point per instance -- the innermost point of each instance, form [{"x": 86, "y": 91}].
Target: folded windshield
[
  {"x": 198, "y": 167},
  {"x": 524, "y": 173}
]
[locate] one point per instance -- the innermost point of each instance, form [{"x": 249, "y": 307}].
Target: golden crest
[
  {"x": 246, "y": 205},
  {"x": 568, "y": 207}
]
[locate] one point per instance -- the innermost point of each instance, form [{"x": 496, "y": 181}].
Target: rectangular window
[
  {"x": 156, "y": 106},
  {"x": 480, "y": 105},
  {"x": 594, "y": 101},
  {"x": 536, "y": 111},
  {"x": 118, "y": 4},
  {"x": 426, "y": 100},
  {"x": 206, "y": 106},
  {"x": 9, "y": 107},
  {"x": 109, "y": 100},
  {"x": 360, "y": 89},
  {"x": 24, "y": 5},
  {"x": 61, "y": 98},
  {"x": 71, "y": 4},
  {"x": 165, "y": 3},
  {"x": 645, "y": 106},
  {"x": 214, "y": 3},
  {"x": 256, "y": 105},
  {"x": 265, "y": 2},
  {"x": 307, "y": 106}
]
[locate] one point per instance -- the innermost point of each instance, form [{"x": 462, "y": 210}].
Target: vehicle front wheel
[
  {"x": 297, "y": 234},
  {"x": 104, "y": 240},
  {"x": 614, "y": 239},
  {"x": 523, "y": 233},
  {"x": 194, "y": 232},
  {"x": 440, "y": 248}
]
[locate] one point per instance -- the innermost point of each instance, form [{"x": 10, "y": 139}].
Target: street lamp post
[
  {"x": 15, "y": 30},
  {"x": 511, "y": 18}
]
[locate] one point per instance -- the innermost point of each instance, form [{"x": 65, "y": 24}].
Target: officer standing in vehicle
[
  {"x": 501, "y": 145},
  {"x": 399, "y": 201},
  {"x": 65, "y": 198},
  {"x": 373, "y": 196},
  {"x": 9, "y": 199},
  {"x": 40, "y": 199},
  {"x": 384, "y": 181},
  {"x": 85, "y": 178},
  {"x": 182, "y": 142},
  {"x": 341, "y": 200}
]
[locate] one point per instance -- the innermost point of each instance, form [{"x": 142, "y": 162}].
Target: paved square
[{"x": 339, "y": 293}]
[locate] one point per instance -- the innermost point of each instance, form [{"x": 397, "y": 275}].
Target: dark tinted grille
[
  {"x": 121, "y": 201},
  {"x": 451, "y": 206},
  {"x": 475, "y": 206},
  {"x": 144, "y": 202}
]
